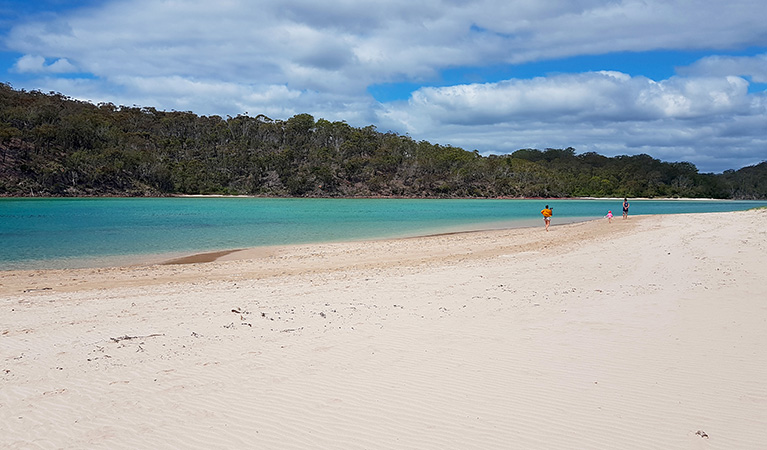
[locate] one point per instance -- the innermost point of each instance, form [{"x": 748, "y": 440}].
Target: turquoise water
[{"x": 87, "y": 232}]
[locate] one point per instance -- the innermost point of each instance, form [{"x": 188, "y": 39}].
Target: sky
[{"x": 679, "y": 80}]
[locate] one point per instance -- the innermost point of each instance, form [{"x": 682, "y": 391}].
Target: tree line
[{"x": 52, "y": 145}]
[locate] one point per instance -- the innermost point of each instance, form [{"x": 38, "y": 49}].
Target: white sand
[{"x": 641, "y": 334}]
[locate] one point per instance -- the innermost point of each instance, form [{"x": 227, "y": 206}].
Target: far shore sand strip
[{"x": 644, "y": 333}]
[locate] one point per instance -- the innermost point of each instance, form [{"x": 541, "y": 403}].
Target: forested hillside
[{"x": 51, "y": 145}]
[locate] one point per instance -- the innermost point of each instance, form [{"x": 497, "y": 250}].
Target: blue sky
[{"x": 678, "y": 80}]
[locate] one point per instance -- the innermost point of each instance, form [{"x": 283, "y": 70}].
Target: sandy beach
[{"x": 647, "y": 333}]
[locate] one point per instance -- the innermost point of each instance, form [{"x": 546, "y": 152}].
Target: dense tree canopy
[{"x": 51, "y": 145}]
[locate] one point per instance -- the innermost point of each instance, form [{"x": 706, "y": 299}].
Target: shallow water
[{"x": 85, "y": 232}]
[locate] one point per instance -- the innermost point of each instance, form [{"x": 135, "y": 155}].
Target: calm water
[{"x": 65, "y": 233}]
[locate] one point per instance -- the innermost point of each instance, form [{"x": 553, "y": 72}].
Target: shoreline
[
  {"x": 129, "y": 254},
  {"x": 148, "y": 262},
  {"x": 205, "y": 256},
  {"x": 245, "y": 253},
  {"x": 137, "y": 269},
  {"x": 635, "y": 334},
  {"x": 155, "y": 269}
]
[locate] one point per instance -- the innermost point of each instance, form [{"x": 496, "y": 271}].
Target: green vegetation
[{"x": 51, "y": 145}]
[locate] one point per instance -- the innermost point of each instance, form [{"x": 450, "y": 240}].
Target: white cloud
[
  {"x": 38, "y": 64},
  {"x": 62, "y": 65},
  {"x": 591, "y": 96},
  {"x": 754, "y": 67},
  {"x": 30, "y": 63}
]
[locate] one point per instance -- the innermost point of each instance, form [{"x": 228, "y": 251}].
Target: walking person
[
  {"x": 609, "y": 217},
  {"x": 625, "y": 208},
  {"x": 547, "y": 213}
]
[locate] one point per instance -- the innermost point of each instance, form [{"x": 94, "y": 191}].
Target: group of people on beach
[{"x": 547, "y": 213}]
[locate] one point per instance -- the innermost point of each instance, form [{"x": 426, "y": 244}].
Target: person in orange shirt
[{"x": 547, "y": 213}]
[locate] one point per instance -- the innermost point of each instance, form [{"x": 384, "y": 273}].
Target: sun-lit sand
[{"x": 647, "y": 333}]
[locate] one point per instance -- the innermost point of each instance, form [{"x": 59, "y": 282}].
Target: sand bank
[{"x": 640, "y": 334}]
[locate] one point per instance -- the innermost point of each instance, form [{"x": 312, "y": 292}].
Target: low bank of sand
[{"x": 640, "y": 334}]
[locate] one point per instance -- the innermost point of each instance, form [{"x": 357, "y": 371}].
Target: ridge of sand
[{"x": 640, "y": 334}]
